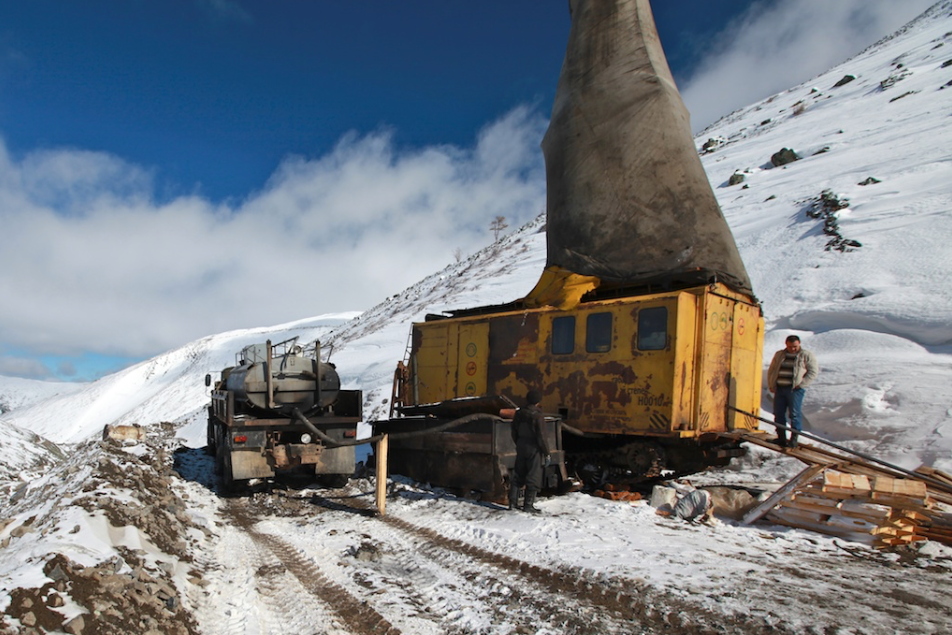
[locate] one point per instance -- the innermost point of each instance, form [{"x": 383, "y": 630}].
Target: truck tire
[{"x": 210, "y": 440}]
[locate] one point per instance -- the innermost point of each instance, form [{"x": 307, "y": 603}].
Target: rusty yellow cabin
[{"x": 665, "y": 365}]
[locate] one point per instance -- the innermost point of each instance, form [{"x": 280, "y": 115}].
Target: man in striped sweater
[{"x": 791, "y": 370}]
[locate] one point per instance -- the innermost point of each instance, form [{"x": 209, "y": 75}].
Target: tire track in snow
[
  {"x": 425, "y": 587},
  {"x": 567, "y": 593},
  {"x": 262, "y": 598},
  {"x": 359, "y": 617}
]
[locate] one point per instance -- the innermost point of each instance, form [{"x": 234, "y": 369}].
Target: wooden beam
[
  {"x": 783, "y": 492},
  {"x": 382, "y": 449}
]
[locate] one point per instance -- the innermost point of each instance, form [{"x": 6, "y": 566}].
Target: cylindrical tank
[{"x": 296, "y": 382}]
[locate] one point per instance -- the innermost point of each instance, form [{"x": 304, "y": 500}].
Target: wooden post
[{"x": 382, "y": 449}]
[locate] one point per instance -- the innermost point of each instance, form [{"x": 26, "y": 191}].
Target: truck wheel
[
  {"x": 227, "y": 476},
  {"x": 210, "y": 443},
  {"x": 219, "y": 449}
]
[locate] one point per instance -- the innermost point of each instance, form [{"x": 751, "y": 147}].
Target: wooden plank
[
  {"x": 912, "y": 515},
  {"x": 840, "y": 481},
  {"x": 899, "y": 487},
  {"x": 902, "y": 502},
  {"x": 841, "y": 495},
  {"x": 782, "y": 493},
  {"x": 940, "y": 496},
  {"x": 872, "y": 515},
  {"x": 938, "y": 475},
  {"x": 778, "y": 516},
  {"x": 381, "y": 490},
  {"x": 941, "y": 489},
  {"x": 946, "y": 540}
]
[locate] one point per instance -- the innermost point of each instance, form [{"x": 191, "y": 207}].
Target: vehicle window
[
  {"x": 563, "y": 335},
  {"x": 598, "y": 338},
  {"x": 653, "y": 328}
]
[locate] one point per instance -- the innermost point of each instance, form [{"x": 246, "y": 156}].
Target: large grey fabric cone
[{"x": 628, "y": 199}]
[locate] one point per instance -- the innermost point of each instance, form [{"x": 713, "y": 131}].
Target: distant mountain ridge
[{"x": 16, "y": 392}]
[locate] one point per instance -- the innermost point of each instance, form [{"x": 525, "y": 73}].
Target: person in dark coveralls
[
  {"x": 792, "y": 369},
  {"x": 531, "y": 450}
]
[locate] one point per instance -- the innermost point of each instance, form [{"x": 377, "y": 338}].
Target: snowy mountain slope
[
  {"x": 23, "y": 453},
  {"x": 19, "y": 393}
]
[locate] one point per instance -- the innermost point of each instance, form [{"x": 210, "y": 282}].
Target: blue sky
[
  {"x": 148, "y": 148},
  {"x": 214, "y": 95}
]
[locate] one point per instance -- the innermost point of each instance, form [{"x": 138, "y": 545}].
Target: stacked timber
[
  {"x": 617, "y": 493},
  {"x": 881, "y": 511}
]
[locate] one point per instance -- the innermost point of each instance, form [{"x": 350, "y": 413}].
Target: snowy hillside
[
  {"x": 22, "y": 450},
  {"x": 877, "y": 314},
  {"x": 18, "y": 393}
]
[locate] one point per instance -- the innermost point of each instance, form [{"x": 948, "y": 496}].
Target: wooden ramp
[{"x": 856, "y": 498}]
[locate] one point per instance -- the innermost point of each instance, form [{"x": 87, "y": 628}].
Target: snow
[{"x": 876, "y": 317}]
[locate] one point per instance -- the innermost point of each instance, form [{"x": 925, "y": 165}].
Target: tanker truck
[{"x": 280, "y": 409}]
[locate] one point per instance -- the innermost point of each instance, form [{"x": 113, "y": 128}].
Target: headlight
[{"x": 306, "y": 438}]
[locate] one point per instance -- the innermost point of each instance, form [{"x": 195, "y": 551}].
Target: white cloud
[
  {"x": 92, "y": 262},
  {"x": 778, "y": 44},
  {"x": 23, "y": 367}
]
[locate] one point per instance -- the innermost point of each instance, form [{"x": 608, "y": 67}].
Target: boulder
[
  {"x": 662, "y": 496},
  {"x": 122, "y": 433},
  {"x": 846, "y": 80},
  {"x": 783, "y": 157}
]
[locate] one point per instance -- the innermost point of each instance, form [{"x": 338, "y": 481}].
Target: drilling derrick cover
[{"x": 628, "y": 201}]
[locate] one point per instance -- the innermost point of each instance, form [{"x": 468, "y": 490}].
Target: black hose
[
  {"x": 580, "y": 433},
  {"x": 922, "y": 477},
  {"x": 395, "y": 435}
]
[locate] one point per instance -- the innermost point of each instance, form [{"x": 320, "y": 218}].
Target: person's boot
[
  {"x": 793, "y": 439},
  {"x": 513, "y": 497},
  {"x": 781, "y": 438},
  {"x": 528, "y": 506}
]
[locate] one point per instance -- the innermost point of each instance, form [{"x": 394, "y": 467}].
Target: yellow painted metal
[
  {"x": 430, "y": 363},
  {"x": 709, "y": 357},
  {"x": 560, "y": 288}
]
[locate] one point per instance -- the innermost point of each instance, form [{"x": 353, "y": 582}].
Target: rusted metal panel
[
  {"x": 477, "y": 443},
  {"x": 336, "y": 460},
  {"x": 685, "y": 356},
  {"x": 248, "y": 464},
  {"x": 715, "y": 366},
  {"x": 677, "y": 386},
  {"x": 478, "y": 458}
]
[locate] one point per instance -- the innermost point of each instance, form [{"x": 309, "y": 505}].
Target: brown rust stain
[
  {"x": 506, "y": 333},
  {"x": 571, "y": 390}
]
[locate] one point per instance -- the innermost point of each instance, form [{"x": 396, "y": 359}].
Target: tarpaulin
[{"x": 628, "y": 201}]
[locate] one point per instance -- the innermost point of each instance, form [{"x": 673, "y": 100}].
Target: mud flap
[{"x": 248, "y": 464}]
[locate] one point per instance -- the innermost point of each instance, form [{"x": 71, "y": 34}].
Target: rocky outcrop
[
  {"x": 846, "y": 80},
  {"x": 129, "y": 483},
  {"x": 825, "y": 207},
  {"x": 783, "y": 157}
]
